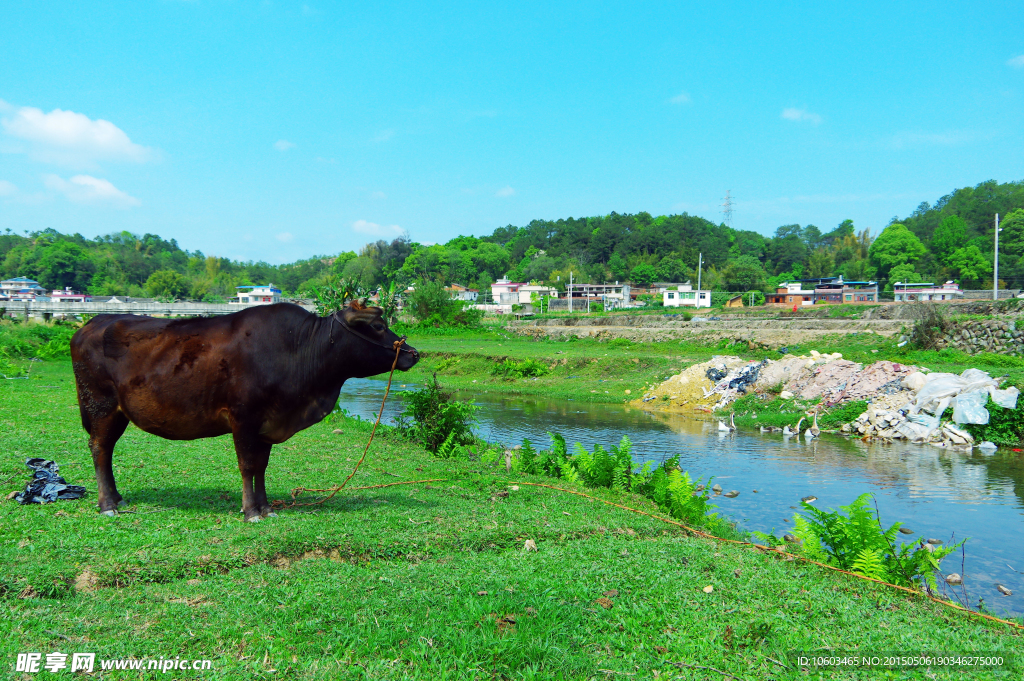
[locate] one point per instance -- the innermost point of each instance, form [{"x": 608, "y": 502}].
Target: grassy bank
[
  {"x": 413, "y": 581},
  {"x": 602, "y": 371}
]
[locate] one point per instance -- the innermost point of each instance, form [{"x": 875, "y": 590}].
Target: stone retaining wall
[{"x": 989, "y": 335}]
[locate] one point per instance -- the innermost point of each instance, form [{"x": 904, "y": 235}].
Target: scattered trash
[
  {"x": 716, "y": 374},
  {"x": 47, "y": 485},
  {"x": 906, "y": 402}
]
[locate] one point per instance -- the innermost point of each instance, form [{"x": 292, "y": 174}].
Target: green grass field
[
  {"x": 422, "y": 581},
  {"x": 588, "y": 370}
]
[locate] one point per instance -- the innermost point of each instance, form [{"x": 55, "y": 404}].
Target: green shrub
[
  {"x": 619, "y": 343},
  {"x": 674, "y": 491},
  {"x": 996, "y": 360},
  {"x": 45, "y": 341},
  {"x": 438, "y": 421},
  {"x": 513, "y": 369},
  {"x": 432, "y": 305},
  {"x": 835, "y": 418}
]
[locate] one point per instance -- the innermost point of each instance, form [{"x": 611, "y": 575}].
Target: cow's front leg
[{"x": 253, "y": 455}]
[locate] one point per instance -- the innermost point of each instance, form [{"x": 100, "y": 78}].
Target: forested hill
[{"x": 951, "y": 240}]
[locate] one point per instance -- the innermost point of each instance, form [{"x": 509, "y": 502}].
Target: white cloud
[
  {"x": 794, "y": 114},
  {"x": 89, "y": 189},
  {"x": 69, "y": 138},
  {"x": 380, "y": 196},
  {"x": 505, "y": 192},
  {"x": 366, "y": 227},
  {"x": 283, "y": 145},
  {"x": 681, "y": 98},
  {"x": 383, "y": 135},
  {"x": 7, "y": 188},
  {"x": 284, "y": 237},
  {"x": 1017, "y": 62}
]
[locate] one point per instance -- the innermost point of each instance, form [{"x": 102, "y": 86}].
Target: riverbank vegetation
[{"x": 422, "y": 580}]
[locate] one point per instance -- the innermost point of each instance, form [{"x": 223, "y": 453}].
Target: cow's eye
[{"x": 378, "y": 327}]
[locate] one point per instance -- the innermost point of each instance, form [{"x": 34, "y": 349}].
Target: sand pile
[{"x": 692, "y": 387}]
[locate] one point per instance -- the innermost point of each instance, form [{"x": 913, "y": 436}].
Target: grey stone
[
  {"x": 937, "y": 542},
  {"x": 716, "y": 488},
  {"x": 731, "y": 494},
  {"x": 1003, "y": 590},
  {"x": 906, "y": 530},
  {"x": 954, "y": 579}
]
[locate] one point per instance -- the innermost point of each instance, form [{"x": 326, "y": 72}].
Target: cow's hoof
[
  {"x": 271, "y": 515},
  {"x": 254, "y": 519},
  {"x": 109, "y": 514}
]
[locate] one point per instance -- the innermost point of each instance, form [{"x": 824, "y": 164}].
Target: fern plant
[
  {"x": 857, "y": 542},
  {"x": 528, "y": 458}
]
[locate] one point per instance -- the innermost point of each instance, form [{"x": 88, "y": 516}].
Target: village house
[
  {"x": 835, "y": 291},
  {"x": 684, "y": 296},
  {"x": 926, "y": 291},
  {"x": 505, "y": 292},
  {"x": 790, "y": 293},
  {"x": 21, "y": 289},
  {"x": 257, "y": 295},
  {"x": 459, "y": 292},
  {"x": 69, "y": 296}
]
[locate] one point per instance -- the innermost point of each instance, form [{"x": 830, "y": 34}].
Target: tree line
[{"x": 952, "y": 239}]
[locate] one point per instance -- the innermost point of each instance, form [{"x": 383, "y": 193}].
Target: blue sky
[{"x": 278, "y": 130}]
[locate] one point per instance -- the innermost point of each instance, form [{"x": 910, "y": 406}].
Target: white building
[
  {"x": 460, "y": 292},
  {"x": 685, "y": 296},
  {"x": 926, "y": 291},
  {"x": 505, "y": 292},
  {"x": 69, "y": 296},
  {"x": 21, "y": 289},
  {"x": 257, "y": 295}
]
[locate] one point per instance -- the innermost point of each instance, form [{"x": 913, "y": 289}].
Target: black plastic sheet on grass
[{"x": 47, "y": 485}]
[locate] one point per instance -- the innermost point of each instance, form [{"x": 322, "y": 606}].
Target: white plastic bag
[
  {"x": 1005, "y": 398},
  {"x": 970, "y": 407},
  {"x": 940, "y": 386}
]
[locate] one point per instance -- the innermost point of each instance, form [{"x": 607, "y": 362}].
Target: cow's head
[{"x": 374, "y": 339}]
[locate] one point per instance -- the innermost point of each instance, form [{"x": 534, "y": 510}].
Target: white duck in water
[
  {"x": 722, "y": 428},
  {"x": 789, "y": 433}
]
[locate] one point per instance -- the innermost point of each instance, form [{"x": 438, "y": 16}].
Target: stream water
[{"x": 936, "y": 493}]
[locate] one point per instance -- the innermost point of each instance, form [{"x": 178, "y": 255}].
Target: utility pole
[
  {"x": 570, "y": 291},
  {"x": 700, "y": 261},
  {"x": 995, "y": 273}
]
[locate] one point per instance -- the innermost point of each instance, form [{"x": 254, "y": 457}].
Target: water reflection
[{"x": 936, "y": 493}]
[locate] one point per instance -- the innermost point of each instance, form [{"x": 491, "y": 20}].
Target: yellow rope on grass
[
  {"x": 279, "y": 503},
  {"x": 778, "y": 552}
]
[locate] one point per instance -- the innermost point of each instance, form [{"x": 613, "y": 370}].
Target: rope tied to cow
[{"x": 280, "y": 503}]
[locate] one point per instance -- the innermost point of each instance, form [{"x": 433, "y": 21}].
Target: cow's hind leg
[
  {"x": 104, "y": 433},
  {"x": 253, "y": 456}
]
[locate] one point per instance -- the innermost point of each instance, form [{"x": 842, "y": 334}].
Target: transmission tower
[{"x": 727, "y": 207}]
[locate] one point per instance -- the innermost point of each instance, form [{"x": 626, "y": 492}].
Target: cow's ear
[{"x": 356, "y": 305}]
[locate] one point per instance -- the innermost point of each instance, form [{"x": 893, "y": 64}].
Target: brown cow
[{"x": 261, "y": 374}]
